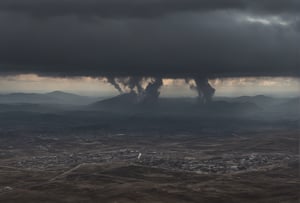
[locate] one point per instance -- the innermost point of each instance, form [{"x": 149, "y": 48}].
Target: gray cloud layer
[
  {"x": 143, "y": 8},
  {"x": 150, "y": 38}
]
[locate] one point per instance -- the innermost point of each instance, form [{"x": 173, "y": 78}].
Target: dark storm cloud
[
  {"x": 142, "y": 8},
  {"x": 233, "y": 39}
]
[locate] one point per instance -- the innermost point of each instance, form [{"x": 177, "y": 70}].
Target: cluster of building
[{"x": 226, "y": 164}]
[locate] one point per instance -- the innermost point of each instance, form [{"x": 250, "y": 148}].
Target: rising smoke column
[
  {"x": 152, "y": 92},
  {"x": 207, "y": 90},
  {"x": 204, "y": 89},
  {"x": 135, "y": 82},
  {"x": 114, "y": 82},
  {"x": 123, "y": 84},
  {"x": 146, "y": 89}
]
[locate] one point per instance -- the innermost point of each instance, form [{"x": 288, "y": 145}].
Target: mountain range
[{"x": 56, "y": 97}]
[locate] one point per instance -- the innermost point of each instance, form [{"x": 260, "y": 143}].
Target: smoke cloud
[
  {"x": 204, "y": 89},
  {"x": 112, "y": 81},
  {"x": 145, "y": 89},
  {"x": 151, "y": 92}
]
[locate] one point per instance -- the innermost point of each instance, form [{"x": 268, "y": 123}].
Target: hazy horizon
[{"x": 99, "y": 87}]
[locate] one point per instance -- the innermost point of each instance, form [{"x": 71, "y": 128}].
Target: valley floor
[{"x": 98, "y": 166}]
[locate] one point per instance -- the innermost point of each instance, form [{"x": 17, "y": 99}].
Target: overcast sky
[{"x": 163, "y": 38}]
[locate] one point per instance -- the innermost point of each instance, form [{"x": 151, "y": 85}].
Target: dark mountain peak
[
  {"x": 123, "y": 99},
  {"x": 61, "y": 93},
  {"x": 260, "y": 96},
  {"x": 170, "y": 106}
]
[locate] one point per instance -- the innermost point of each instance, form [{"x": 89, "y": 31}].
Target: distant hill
[
  {"x": 260, "y": 100},
  {"x": 19, "y": 107},
  {"x": 292, "y": 105},
  {"x": 128, "y": 99},
  {"x": 61, "y": 94},
  {"x": 69, "y": 98},
  {"x": 56, "y": 97},
  {"x": 26, "y": 98},
  {"x": 169, "y": 106}
]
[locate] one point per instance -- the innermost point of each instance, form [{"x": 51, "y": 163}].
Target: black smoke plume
[
  {"x": 114, "y": 83},
  {"x": 147, "y": 94},
  {"x": 151, "y": 93},
  {"x": 204, "y": 89}
]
